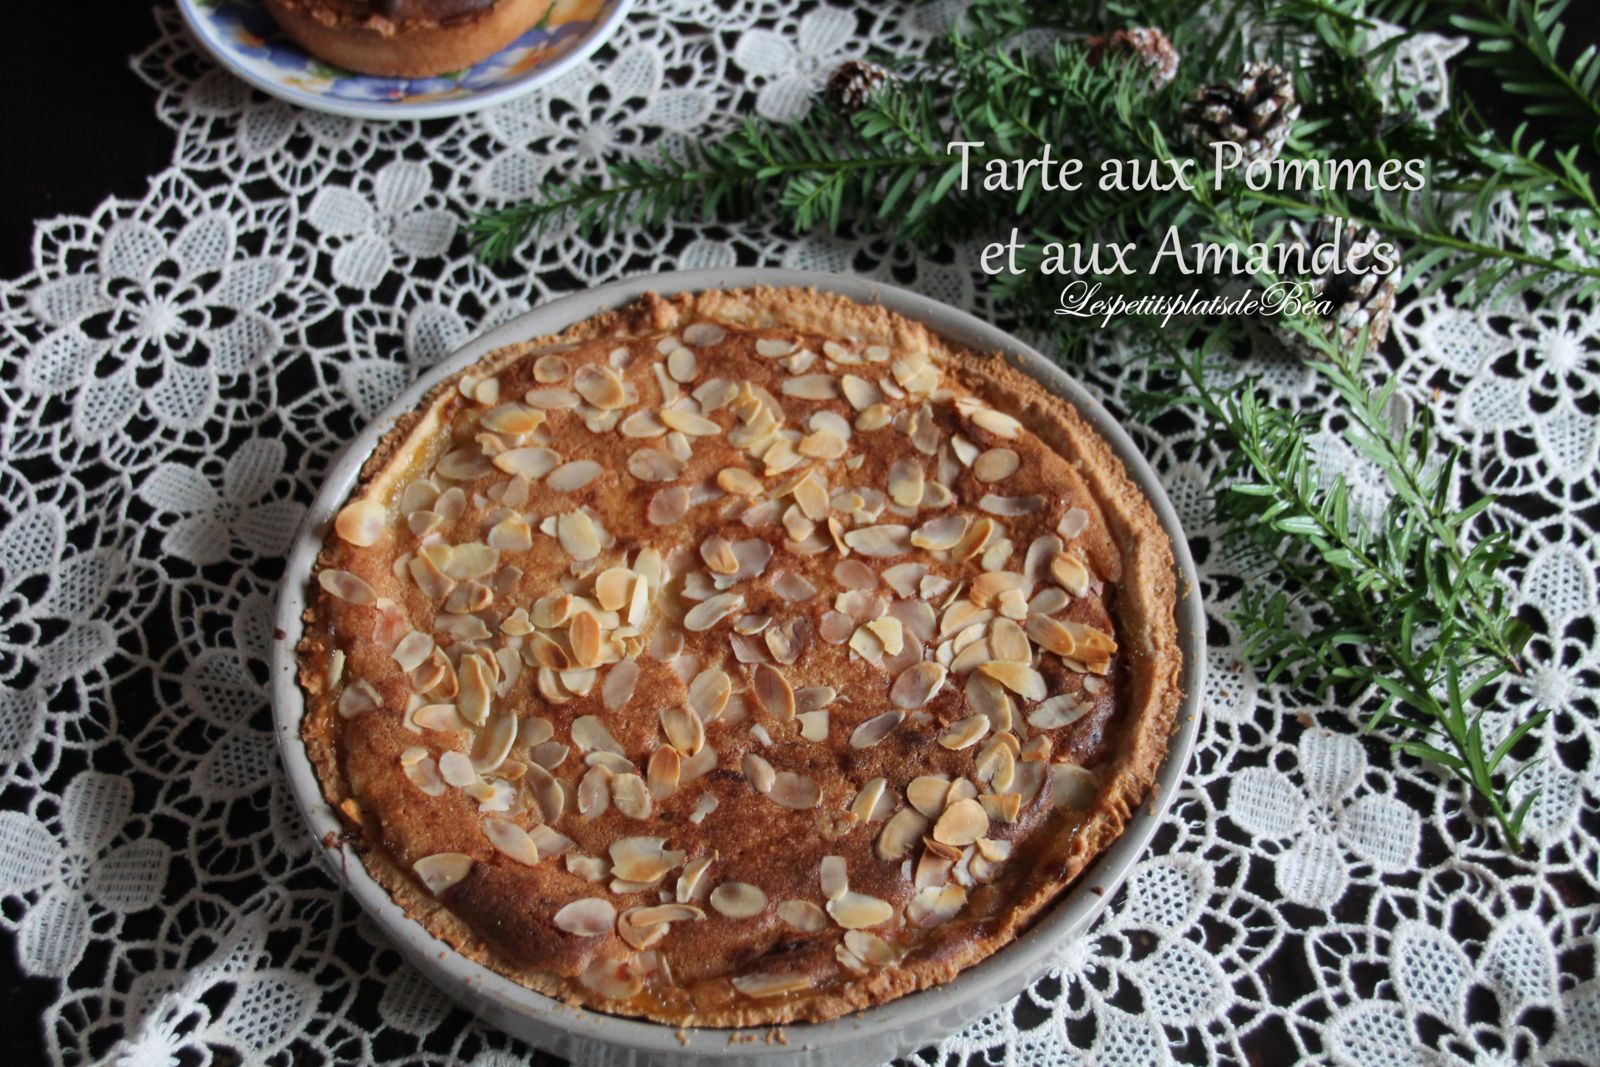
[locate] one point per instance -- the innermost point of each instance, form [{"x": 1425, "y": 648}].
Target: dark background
[{"x": 95, "y": 135}]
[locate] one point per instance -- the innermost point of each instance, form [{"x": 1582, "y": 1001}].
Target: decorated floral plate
[{"x": 243, "y": 37}]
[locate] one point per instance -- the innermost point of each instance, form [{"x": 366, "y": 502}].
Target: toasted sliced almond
[
  {"x": 961, "y": 824},
  {"x": 875, "y": 729},
  {"x": 685, "y": 730},
  {"x": 477, "y": 687},
  {"x": 692, "y": 878},
  {"x": 347, "y": 587},
  {"x": 591, "y": 735},
  {"x": 686, "y": 422},
  {"x": 858, "y": 911},
  {"x": 965, "y": 733},
  {"x": 1021, "y": 679},
  {"x": 613, "y": 979},
  {"x": 530, "y": 463},
  {"x": 934, "y": 905},
  {"x": 493, "y": 743},
  {"x": 758, "y": 772},
  {"x": 682, "y": 365},
  {"x": 1070, "y": 573},
  {"x": 424, "y": 774},
  {"x": 996, "y": 422},
  {"x": 916, "y": 685},
  {"x": 1072, "y": 786},
  {"x": 1003, "y": 807},
  {"x": 584, "y": 636},
  {"x": 773, "y": 691},
  {"x": 594, "y": 792},
  {"x": 600, "y": 386},
  {"x": 834, "y": 876},
  {"x": 738, "y": 900},
  {"x": 578, "y": 537},
  {"x": 879, "y": 542},
  {"x": 654, "y": 465},
  {"x": 706, "y": 614},
  {"x": 613, "y": 587},
  {"x": 663, "y": 771},
  {"x": 361, "y": 522},
  {"x": 638, "y": 934},
  {"x": 512, "y": 840},
  {"x": 900, "y": 834},
  {"x": 813, "y": 725},
  {"x": 764, "y": 986},
  {"x": 587, "y": 917},
  {"x": 803, "y": 915},
  {"x": 438, "y": 717},
  {"x": 570, "y": 477},
  {"x": 548, "y": 795},
  {"x": 739, "y": 482},
  {"x": 795, "y": 791},
  {"x": 442, "y": 870},
  {"x": 631, "y": 796},
  {"x": 927, "y": 793},
  {"x": 1009, "y": 642},
  {"x": 906, "y": 479},
  {"x": 514, "y": 419},
  {"x": 666, "y": 913},
  {"x": 1058, "y": 711},
  {"x": 872, "y": 801},
  {"x": 996, "y": 465},
  {"x": 642, "y": 859},
  {"x": 975, "y": 540}
]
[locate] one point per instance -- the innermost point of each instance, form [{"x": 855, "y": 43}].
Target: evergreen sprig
[
  {"x": 1409, "y": 607},
  {"x": 1394, "y": 604}
]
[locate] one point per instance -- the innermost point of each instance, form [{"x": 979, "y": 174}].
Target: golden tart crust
[{"x": 785, "y": 743}]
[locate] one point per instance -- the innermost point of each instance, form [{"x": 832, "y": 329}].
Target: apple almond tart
[{"x": 738, "y": 658}]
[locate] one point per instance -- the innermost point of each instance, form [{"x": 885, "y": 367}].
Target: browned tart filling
[{"x": 738, "y": 658}]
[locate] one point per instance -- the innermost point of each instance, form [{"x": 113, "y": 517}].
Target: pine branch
[{"x": 1377, "y": 593}]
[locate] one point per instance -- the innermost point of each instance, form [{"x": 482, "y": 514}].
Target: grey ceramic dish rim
[{"x": 978, "y": 988}]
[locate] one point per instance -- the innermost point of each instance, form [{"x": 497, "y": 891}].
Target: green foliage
[
  {"x": 1408, "y": 608},
  {"x": 1394, "y": 604}
]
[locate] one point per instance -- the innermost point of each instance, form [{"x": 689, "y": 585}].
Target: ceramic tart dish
[{"x": 737, "y": 658}]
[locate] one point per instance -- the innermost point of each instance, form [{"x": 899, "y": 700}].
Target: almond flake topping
[
  {"x": 803, "y": 916},
  {"x": 867, "y": 557},
  {"x": 762, "y": 986},
  {"x": 916, "y": 685},
  {"x": 511, "y": 840},
  {"x": 858, "y": 911},
  {"x": 795, "y": 791},
  {"x": 738, "y": 900},
  {"x": 347, "y": 586},
  {"x": 961, "y": 824},
  {"x": 442, "y": 870},
  {"x": 361, "y": 522},
  {"x": 588, "y": 917}
]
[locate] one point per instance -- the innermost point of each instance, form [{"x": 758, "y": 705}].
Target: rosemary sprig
[{"x": 1398, "y": 607}]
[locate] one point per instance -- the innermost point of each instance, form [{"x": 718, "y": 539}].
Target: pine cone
[
  {"x": 1146, "y": 43},
  {"x": 1361, "y": 297},
  {"x": 1256, "y": 113},
  {"x": 852, "y": 84}
]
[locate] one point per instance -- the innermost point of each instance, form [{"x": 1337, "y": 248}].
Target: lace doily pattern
[{"x": 177, "y": 371}]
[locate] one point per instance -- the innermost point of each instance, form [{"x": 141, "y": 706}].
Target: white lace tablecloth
[{"x": 176, "y": 372}]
